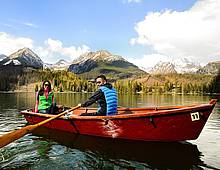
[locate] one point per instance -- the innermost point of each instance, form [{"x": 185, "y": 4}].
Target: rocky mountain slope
[
  {"x": 210, "y": 68},
  {"x": 163, "y": 68},
  {"x": 61, "y": 65},
  {"x": 182, "y": 65},
  {"x": 23, "y": 57},
  {"x": 103, "y": 62},
  {"x": 2, "y": 56}
]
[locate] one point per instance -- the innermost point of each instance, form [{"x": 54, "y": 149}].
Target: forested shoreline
[{"x": 66, "y": 81}]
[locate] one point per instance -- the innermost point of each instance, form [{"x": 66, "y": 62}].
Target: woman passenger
[{"x": 45, "y": 99}]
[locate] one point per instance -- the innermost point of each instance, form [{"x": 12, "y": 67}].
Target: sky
[{"x": 142, "y": 31}]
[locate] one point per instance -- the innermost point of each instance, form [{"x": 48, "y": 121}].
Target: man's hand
[{"x": 79, "y": 104}]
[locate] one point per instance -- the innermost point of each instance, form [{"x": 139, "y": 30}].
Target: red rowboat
[{"x": 175, "y": 123}]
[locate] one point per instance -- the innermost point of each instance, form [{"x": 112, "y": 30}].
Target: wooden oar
[{"x": 12, "y": 136}]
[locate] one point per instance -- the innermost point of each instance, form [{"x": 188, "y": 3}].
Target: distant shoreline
[
  {"x": 204, "y": 94},
  {"x": 22, "y": 91}
]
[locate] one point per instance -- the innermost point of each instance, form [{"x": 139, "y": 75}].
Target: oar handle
[
  {"x": 54, "y": 117},
  {"x": 12, "y": 136}
]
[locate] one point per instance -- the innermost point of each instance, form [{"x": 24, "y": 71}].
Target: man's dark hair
[{"x": 102, "y": 77}]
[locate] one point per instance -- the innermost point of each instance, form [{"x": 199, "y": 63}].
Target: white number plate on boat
[{"x": 195, "y": 116}]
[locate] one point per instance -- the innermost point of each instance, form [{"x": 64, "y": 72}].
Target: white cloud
[
  {"x": 30, "y": 25},
  {"x": 15, "y": 23},
  {"x": 135, "y": 1},
  {"x": 8, "y": 25},
  {"x": 132, "y": 1},
  {"x": 10, "y": 44},
  {"x": 148, "y": 61},
  {"x": 51, "y": 52},
  {"x": 193, "y": 33},
  {"x": 25, "y": 23},
  {"x": 54, "y": 50}
]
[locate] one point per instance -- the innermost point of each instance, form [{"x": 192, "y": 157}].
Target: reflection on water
[
  {"x": 138, "y": 100},
  {"x": 123, "y": 152},
  {"x": 45, "y": 149}
]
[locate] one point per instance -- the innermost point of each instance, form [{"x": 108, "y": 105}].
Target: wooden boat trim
[{"x": 153, "y": 113}]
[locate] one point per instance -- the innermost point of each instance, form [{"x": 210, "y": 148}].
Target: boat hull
[{"x": 178, "y": 124}]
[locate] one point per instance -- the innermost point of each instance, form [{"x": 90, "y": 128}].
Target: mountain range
[
  {"x": 182, "y": 65},
  {"x": 91, "y": 64},
  {"x": 88, "y": 65}
]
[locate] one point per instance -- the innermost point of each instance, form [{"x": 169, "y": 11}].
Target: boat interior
[
  {"x": 123, "y": 110},
  {"x": 133, "y": 111}
]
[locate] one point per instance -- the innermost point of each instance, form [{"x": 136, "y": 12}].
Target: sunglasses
[
  {"x": 46, "y": 84},
  {"x": 98, "y": 82}
]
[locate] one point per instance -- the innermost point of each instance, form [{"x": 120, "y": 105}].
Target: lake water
[{"x": 54, "y": 150}]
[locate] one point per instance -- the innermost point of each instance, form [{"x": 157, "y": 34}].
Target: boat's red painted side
[{"x": 161, "y": 125}]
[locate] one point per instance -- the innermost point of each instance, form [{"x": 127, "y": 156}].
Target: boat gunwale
[{"x": 154, "y": 113}]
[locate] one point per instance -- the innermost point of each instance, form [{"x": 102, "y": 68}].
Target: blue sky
[{"x": 57, "y": 29}]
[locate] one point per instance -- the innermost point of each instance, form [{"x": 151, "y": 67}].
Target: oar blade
[{"x": 12, "y": 136}]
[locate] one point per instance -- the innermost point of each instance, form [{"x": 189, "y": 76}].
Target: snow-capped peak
[
  {"x": 186, "y": 65},
  {"x": 98, "y": 56},
  {"x": 61, "y": 65},
  {"x": 2, "y": 56},
  {"x": 180, "y": 65},
  {"x": 24, "y": 52},
  {"x": 24, "y": 57},
  {"x": 163, "y": 68}
]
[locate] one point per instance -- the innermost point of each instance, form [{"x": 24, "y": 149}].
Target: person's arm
[
  {"x": 92, "y": 99},
  {"x": 36, "y": 104}
]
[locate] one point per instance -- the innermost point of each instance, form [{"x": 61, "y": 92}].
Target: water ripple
[{"x": 56, "y": 151}]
